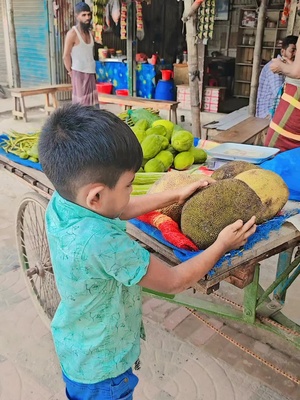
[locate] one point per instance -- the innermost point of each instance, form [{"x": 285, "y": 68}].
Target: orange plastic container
[{"x": 104, "y": 87}]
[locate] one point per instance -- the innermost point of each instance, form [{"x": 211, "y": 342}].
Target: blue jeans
[{"x": 119, "y": 388}]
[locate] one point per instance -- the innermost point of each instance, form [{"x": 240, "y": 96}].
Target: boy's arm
[
  {"x": 69, "y": 43},
  {"x": 162, "y": 278},
  {"x": 139, "y": 205}
]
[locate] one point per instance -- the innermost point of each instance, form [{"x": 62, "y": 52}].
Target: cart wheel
[{"x": 34, "y": 255}]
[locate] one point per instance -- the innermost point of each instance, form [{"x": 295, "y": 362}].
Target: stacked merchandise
[
  {"x": 212, "y": 98},
  {"x": 206, "y": 18},
  {"x": 111, "y": 14}
]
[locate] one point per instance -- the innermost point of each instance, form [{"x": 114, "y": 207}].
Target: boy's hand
[
  {"x": 186, "y": 192},
  {"x": 236, "y": 234}
]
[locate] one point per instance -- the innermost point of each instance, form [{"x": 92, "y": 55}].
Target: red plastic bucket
[
  {"x": 167, "y": 74},
  {"x": 122, "y": 92},
  {"x": 104, "y": 87}
]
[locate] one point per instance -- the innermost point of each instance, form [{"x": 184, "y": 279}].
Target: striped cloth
[
  {"x": 84, "y": 89},
  {"x": 284, "y": 129}
]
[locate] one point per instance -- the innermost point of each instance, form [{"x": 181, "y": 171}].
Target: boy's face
[
  {"x": 116, "y": 200},
  {"x": 105, "y": 201}
]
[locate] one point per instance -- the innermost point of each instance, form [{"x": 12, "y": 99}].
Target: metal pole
[
  {"x": 257, "y": 55},
  {"x": 13, "y": 44}
]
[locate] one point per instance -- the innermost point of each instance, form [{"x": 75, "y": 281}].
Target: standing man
[
  {"x": 270, "y": 83},
  {"x": 79, "y": 58}
]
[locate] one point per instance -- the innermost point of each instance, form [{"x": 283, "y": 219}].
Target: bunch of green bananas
[{"x": 99, "y": 11}]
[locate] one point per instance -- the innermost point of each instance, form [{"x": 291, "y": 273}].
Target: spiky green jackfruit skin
[
  {"x": 174, "y": 180},
  {"x": 269, "y": 187},
  {"x": 231, "y": 169},
  {"x": 210, "y": 210}
]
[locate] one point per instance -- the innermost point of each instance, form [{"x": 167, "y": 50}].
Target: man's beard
[{"x": 85, "y": 27}]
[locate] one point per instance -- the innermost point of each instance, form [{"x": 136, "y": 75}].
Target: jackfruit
[
  {"x": 270, "y": 188},
  {"x": 232, "y": 168},
  {"x": 154, "y": 165},
  {"x": 182, "y": 140},
  {"x": 183, "y": 160},
  {"x": 174, "y": 180},
  {"x": 210, "y": 210},
  {"x": 166, "y": 158},
  {"x": 151, "y": 145},
  {"x": 200, "y": 155}
]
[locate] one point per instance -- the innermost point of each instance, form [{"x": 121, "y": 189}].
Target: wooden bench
[
  {"x": 130, "y": 101},
  {"x": 18, "y": 94},
  {"x": 251, "y": 131}
]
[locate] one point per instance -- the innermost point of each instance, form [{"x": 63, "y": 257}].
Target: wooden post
[
  {"x": 201, "y": 62},
  {"x": 192, "y": 49},
  {"x": 13, "y": 44},
  {"x": 130, "y": 43},
  {"x": 257, "y": 55}
]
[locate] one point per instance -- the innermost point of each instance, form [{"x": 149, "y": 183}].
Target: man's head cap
[{"x": 82, "y": 7}]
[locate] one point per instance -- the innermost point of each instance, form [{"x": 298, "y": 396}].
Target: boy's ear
[{"x": 93, "y": 198}]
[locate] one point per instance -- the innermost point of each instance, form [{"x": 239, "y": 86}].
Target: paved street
[{"x": 182, "y": 359}]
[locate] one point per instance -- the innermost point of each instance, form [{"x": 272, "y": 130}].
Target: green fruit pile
[{"x": 166, "y": 145}]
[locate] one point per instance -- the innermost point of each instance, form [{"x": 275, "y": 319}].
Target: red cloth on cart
[{"x": 169, "y": 229}]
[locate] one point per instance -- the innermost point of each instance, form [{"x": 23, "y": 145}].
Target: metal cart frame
[{"x": 261, "y": 308}]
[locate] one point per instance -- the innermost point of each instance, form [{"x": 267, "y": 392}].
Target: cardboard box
[
  {"x": 184, "y": 97},
  {"x": 181, "y": 74},
  {"x": 212, "y": 98}
]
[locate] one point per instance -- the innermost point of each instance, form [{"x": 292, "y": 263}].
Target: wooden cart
[{"x": 261, "y": 308}]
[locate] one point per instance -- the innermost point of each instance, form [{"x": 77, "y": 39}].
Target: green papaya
[
  {"x": 166, "y": 158},
  {"x": 172, "y": 150},
  {"x": 164, "y": 122},
  {"x": 143, "y": 124},
  {"x": 164, "y": 142},
  {"x": 157, "y": 130},
  {"x": 139, "y": 133},
  {"x": 154, "y": 165},
  {"x": 182, "y": 140},
  {"x": 151, "y": 145},
  {"x": 183, "y": 160},
  {"x": 177, "y": 128},
  {"x": 169, "y": 135},
  {"x": 200, "y": 155}
]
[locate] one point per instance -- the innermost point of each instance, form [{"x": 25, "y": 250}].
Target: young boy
[{"x": 91, "y": 158}]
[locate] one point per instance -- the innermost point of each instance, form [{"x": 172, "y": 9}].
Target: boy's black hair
[
  {"x": 291, "y": 39},
  {"x": 81, "y": 145}
]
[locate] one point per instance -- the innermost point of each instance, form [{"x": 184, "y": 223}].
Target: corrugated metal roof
[{"x": 32, "y": 35}]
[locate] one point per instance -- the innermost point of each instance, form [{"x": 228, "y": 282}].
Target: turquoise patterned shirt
[{"x": 96, "y": 328}]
